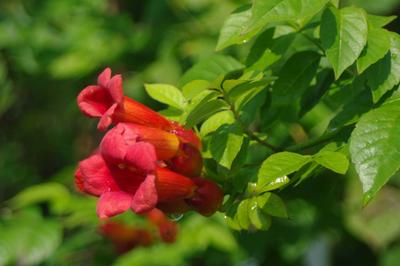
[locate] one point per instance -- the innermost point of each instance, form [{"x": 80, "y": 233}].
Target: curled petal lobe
[
  {"x": 145, "y": 197},
  {"x": 113, "y": 203},
  {"x": 106, "y": 119},
  {"x": 114, "y": 87},
  {"x": 104, "y": 77},
  {"x": 94, "y": 177},
  {"x": 94, "y": 101}
]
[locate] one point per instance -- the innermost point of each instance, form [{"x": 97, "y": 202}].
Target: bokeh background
[{"x": 51, "y": 49}]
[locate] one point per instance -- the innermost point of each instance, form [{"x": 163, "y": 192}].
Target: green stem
[{"x": 313, "y": 142}]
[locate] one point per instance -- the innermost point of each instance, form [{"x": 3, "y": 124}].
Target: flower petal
[
  {"x": 104, "y": 77},
  {"x": 173, "y": 186},
  {"x": 114, "y": 87},
  {"x": 106, "y": 118},
  {"x": 115, "y": 144},
  {"x": 165, "y": 144},
  {"x": 188, "y": 162},
  {"x": 94, "y": 101},
  {"x": 94, "y": 177},
  {"x": 186, "y": 135},
  {"x": 142, "y": 156},
  {"x": 79, "y": 180},
  {"x": 113, "y": 203},
  {"x": 137, "y": 113},
  {"x": 145, "y": 197}
]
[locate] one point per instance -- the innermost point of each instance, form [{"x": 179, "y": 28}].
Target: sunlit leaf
[
  {"x": 343, "y": 35},
  {"x": 375, "y": 147},
  {"x": 167, "y": 94}
]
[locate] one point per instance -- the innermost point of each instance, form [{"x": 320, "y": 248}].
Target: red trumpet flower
[
  {"x": 123, "y": 189},
  {"x": 126, "y": 237},
  {"x": 167, "y": 230},
  {"x": 106, "y": 100}
]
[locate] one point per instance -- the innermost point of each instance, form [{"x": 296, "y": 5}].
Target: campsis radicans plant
[
  {"x": 145, "y": 161},
  {"x": 318, "y": 87}
]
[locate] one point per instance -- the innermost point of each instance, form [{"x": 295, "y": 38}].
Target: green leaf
[
  {"x": 272, "y": 205},
  {"x": 293, "y": 12},
  {"x": 167, "y": 94},
  {"x": 352, "y": 110},
  {"x": 375, "y": 147},
  {"x": 335, "y": 161},
  {"x": 250, "y": 216},
  {"x": 378, "y": 44},
  {"x": 172, "y": 113},
  {"x": 380, "y": 21},
  {"x": 225, "y": 145},
  {"x": 258, "y": 219},
  {"x": 216, "y": 121},
  {"x": 204, "y": 110},
  {"x": 30, "y": 238},
  {"x": 391, "y": 257},
  {"x": 314, "y": 93},
  {"x": 294, "y": 78},
  {"x": 281, "y": 164},
  {"x": 266, "y": 50},
  {"x": 54, "y": 193},
  {"x": 233, "y": 27},
  {"x": 242, "y": 215},
  {"x": 385, "y": 74},
  {"x": 343, "y": 36},
  {"x": 194, "y": 87},
  {"x": 210, "y": 68},
  {"x": 277, "y": 183}
]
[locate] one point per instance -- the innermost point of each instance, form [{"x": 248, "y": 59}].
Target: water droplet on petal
[{"x": 175, "y": 217}]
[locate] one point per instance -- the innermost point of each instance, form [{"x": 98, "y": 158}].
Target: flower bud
[{"x": 207, "y": 198}]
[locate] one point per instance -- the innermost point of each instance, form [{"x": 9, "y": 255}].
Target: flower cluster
[
  {"x": 144, "y": 161},
  {"x": 127, "y": 237}
]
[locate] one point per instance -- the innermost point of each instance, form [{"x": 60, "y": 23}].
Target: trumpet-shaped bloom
[
  {"x": 107, "y": 101},
  {"x": 126, "y": 237},
  {"x": 167, "y": 230},
  {"x": 208, "y": 197},
  {"x": 121, "y": 189}
]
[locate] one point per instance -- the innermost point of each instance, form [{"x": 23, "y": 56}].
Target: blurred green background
[{"x": 51, "y": 49}]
